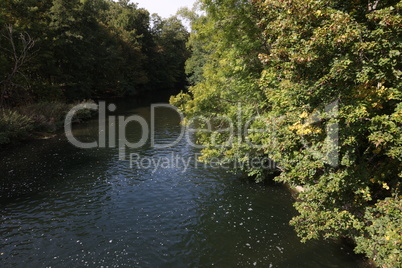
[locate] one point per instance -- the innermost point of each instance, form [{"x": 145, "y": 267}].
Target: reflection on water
[{"x": 66, "y": 207}]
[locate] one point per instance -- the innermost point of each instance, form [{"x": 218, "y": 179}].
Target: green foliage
[
  {"x": 225, "y": 67},
  {"x": 14, "y": 126},
  {"x": 49, "y": 116},
  {"x": 169, "y": 61},
  {"x": 382, "y": 239},
  {"x": 16, "y": 49},
  {"x": 30, "y": 120},
  {"x": 87, "y": 48},
  {"x": 324, "y": 80}
]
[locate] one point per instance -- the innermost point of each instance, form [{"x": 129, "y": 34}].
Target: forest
[
  {"x": 323, "y": 81},
  {"x": 55, "y": 52}
]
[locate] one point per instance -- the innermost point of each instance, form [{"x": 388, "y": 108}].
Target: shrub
[
  {"x": 14, "y": 125},
  {"x": 49, "y": 116},
  {"x": 19, "y": 123},
  {"x": 84, "y": 114},
  {"x": 383, "y": 238}
]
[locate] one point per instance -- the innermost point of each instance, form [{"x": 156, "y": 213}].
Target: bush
[
  {"x": 43, "y": 112},
  {"x": 14, "y": 125},
  {"x": 47, "y": 92},
  {"x": 86, "y": 113},
  {"x": 49, "y": 116},
  {"x": 321, "y": 83},
  {"x": 383, "y": 238},
  {"x": 19, "y": 123}
]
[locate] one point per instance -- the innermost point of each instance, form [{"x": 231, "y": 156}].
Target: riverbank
[
  {"x": 67, "y": 206},
  {"x": 35, "y": 121}
]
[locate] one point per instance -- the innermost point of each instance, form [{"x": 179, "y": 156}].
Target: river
[{"x": 62, "y": 206}]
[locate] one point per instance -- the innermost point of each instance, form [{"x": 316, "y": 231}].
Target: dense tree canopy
[
  {"x": 321, "y": 81},
  {"x": 76, "y": 49}
]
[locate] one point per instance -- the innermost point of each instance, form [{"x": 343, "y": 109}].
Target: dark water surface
[{"x": 67, "y": 207}]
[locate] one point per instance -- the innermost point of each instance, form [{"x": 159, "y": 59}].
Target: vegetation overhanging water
[{"x": 77, "y": 207}]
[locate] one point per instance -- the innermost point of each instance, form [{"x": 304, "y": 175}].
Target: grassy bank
[{"x": 35, "y": 120}]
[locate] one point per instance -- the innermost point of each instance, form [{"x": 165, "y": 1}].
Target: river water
[{"x": 62, "y": 206}]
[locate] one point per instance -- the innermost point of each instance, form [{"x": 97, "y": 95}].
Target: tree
[
  {"x": 94, "y": 48},
  {"x": 170, "y": 39},
  {"x": 328, "y": 98},
  {"x": 316, "y": 56},
  {"x": 17, "y": 52},
  {"x": 225, "y": 67}
]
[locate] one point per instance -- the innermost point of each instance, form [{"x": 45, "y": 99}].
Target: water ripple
[{"x": 86, "y": 208}]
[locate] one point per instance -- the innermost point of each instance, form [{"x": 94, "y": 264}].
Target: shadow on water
[
  {"x": 88, "y": 208},
  {"x": 29, "y": 167}
]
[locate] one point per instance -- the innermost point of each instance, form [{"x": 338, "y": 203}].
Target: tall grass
[
  {"x": 14, "y": 126},
  {"x": 25, "y": 121}
]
